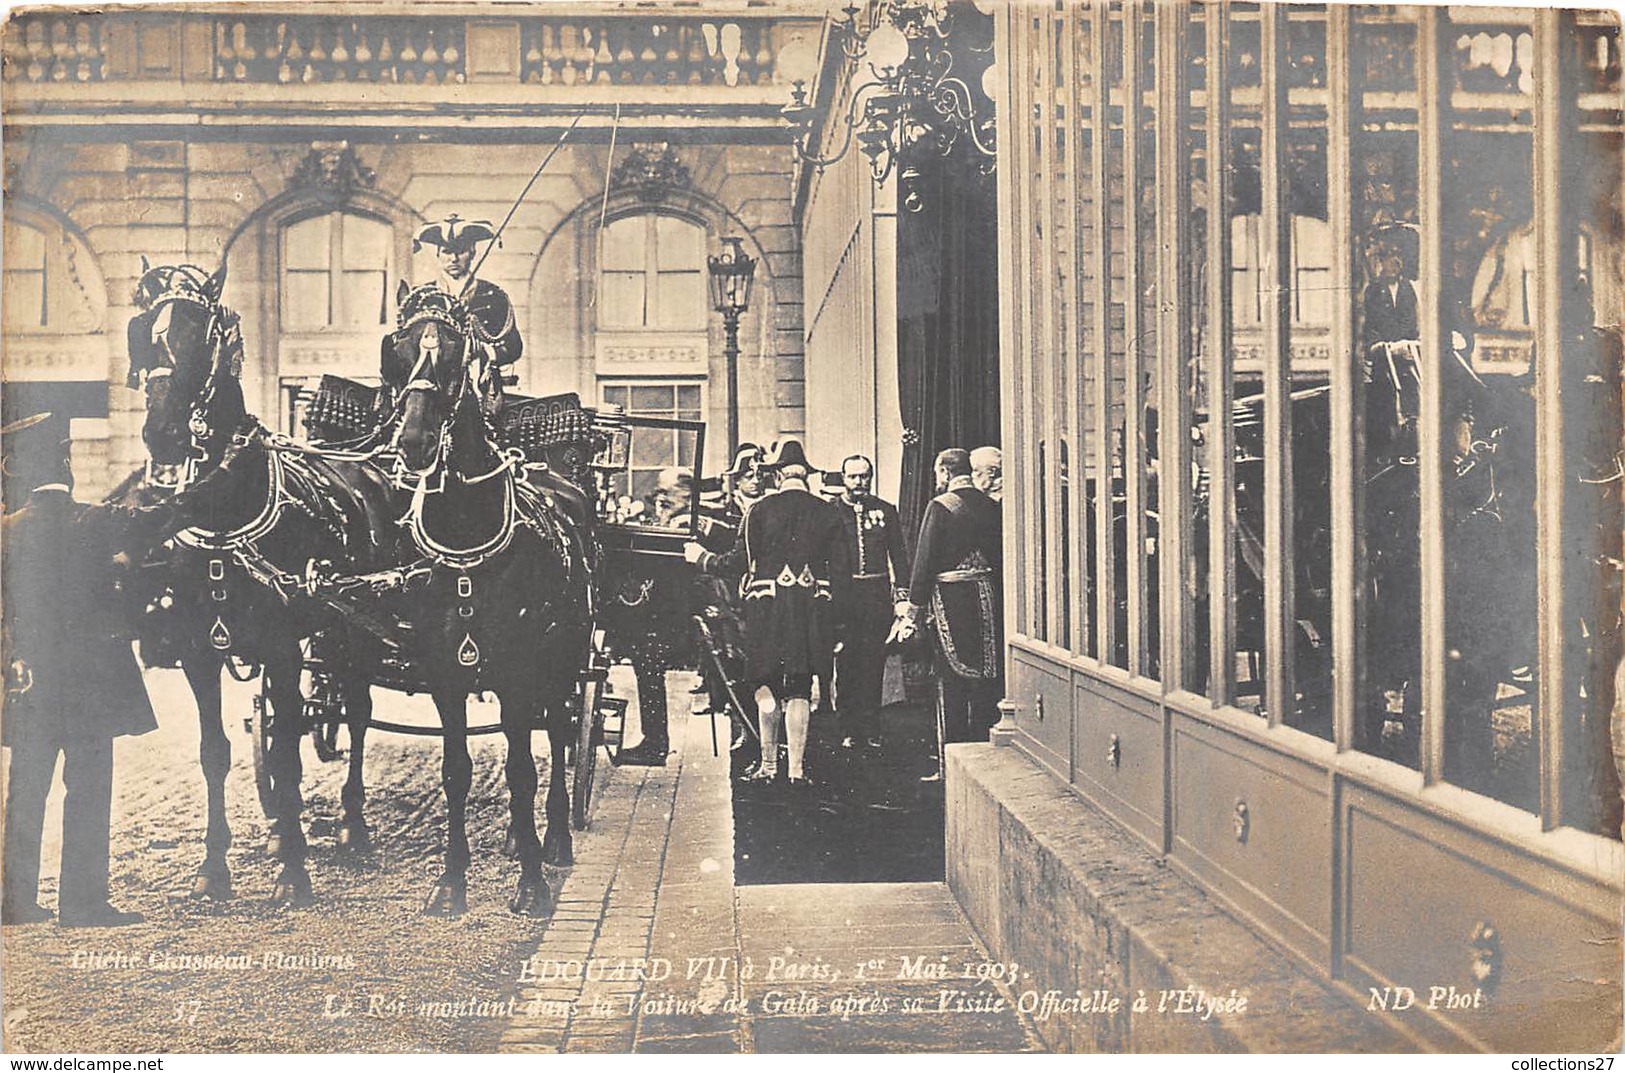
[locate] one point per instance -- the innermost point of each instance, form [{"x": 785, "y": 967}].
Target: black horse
[
  {"x": 259, "y": 514},
  {"x": 506, "y": 606}
]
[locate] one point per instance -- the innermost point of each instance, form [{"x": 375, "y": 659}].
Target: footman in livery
[{"x": 796, "y": 574}]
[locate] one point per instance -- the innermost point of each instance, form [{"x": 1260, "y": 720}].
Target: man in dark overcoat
[
  {"x": 874, "y": 542},
  {"x": 957, "y": 579},
  {"x": 72, "y": 682},
  {"x": 795, "y": 578}
]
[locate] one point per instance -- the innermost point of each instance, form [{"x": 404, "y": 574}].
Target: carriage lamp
[{"x": 732, "y": 272}]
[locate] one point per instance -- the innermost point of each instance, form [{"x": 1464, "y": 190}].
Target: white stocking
[
  {"x": 797, "y": 717},
  {"x": 768, "y": 708}
]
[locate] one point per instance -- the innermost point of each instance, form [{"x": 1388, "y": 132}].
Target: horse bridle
[
  {"x": 168, "y": 286},
  {"x": 447, "y": 312}
]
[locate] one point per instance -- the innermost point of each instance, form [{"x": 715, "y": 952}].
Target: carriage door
[{"x": 336, "y": 269}]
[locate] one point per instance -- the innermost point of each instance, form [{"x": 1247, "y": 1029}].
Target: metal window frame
[
  {"x": 1021, "y": 134},
  {"x": 1276, "y": 242},
  {"x": 1100, "y": 142},
  {"x": 1173, "y": 119},
  {"x": 1012, "y": 290},
  {"x": 1077, "y": 399},
  {"x": 1044, "y": 116},
  {"x": 1133, "y": 357},
  {"x": 1351, "y": 787},
  {"x": 1221, "y": 379}
]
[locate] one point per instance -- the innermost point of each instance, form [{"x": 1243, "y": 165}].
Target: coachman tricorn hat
[{"x": 453, "y": 233}]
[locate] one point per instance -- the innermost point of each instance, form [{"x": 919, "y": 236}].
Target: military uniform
[
  {"x": 874, "y": 541},
  {"x": 72, "y": 686},
  {"x": 958, "y": 571}
]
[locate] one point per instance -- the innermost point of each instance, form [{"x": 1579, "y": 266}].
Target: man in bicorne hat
[
  {"x": 494, "y": 333},
  {"x": 721, "y": 514},
  {"x": 71, "y": 680},
  {"x": 796, "y": 573}
]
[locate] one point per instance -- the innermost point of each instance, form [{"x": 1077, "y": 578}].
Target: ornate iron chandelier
[{"x": 920, "y": 97}]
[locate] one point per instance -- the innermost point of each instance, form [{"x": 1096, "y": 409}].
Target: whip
[{"x": 497, "y": 238}]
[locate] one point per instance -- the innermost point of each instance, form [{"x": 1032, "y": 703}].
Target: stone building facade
[{"x": 303, "y": 147}]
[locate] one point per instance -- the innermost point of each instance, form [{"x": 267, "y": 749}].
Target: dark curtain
[{"x": 947, "y": 321}]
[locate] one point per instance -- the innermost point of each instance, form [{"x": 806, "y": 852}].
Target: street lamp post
[{"x": 732, "y": 271}]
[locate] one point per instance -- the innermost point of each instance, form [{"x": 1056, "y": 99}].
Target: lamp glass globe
[{"x": 887, "y": 47}]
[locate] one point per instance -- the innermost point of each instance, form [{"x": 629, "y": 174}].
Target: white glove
[
  {"x": 692, "y": 552},
  {"x": 706, "y": 525},
  {"x": 903, "y": 627},
  {"x": 19, "y": 678}
]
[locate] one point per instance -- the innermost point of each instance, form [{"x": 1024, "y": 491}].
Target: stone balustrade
[
  {"x": 642, "y": 52},
  {"x": 54, "y": 47},
  {"x": 257, "y": 48}
]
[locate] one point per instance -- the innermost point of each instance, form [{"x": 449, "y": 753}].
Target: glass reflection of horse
[
  {"x": 258, "y": 516},
  {"x": 507, "y": 606}
]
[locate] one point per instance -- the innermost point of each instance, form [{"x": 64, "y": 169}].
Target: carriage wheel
[
  {"x": 261, "y": 728},
  {"x": 589, "y": 726}
]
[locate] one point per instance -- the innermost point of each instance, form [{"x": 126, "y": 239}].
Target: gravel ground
[{"x": 363, "y": 970}]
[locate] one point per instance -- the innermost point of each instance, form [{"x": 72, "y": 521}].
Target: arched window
[
  {"x": 652, "y": 275},
  {"x": 26, "y": 279},
  {"x": 51, "y": 282},
  {"x": 335, "y": 272}
]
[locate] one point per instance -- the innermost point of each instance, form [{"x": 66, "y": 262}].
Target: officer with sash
[
  {"x": 958, "y": 567},
  {"x": 71, "y": 680}
]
